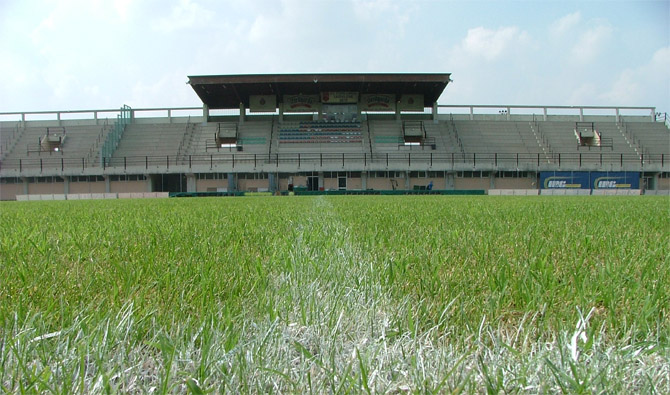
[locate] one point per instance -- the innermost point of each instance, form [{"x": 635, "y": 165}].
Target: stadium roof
[{"x": 228, "y": 91}]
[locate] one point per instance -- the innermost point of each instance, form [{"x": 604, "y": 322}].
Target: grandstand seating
[
  {"x": 253, "y": 137},
  {"x": 80, "y": 142},
  {"x": 9, "y": 134},
  {"x": 319, "y": 136},
  {"x": 620, "y": 144},
  {"x": 385, "y": 135},
  {"x": 559, "y": 135},
  {"x": 151, "y": 140},
  {"x": 651, "y": 138},
  {"x": 535, "y": 141},
  {"x": 445, "y": 138},
  {"x": 320, "y": 132},
  {"x": 499, "y": 137}
]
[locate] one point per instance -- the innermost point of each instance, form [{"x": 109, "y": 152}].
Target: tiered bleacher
[
  {"x": 650, "y": 138},
  {"x": 151, "y": 140},
  {"x": 74, "y": 141},
  {"x": 252, "y": 137},
  {"x": 320, "y": 132},
  {"x": 500, "y": 137}
]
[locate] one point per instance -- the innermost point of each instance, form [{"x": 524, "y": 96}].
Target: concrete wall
[
  {"x": 253, "y": 185},
  {"x": 85, "y": 187},
  {"x": 210, "y": 185},
  {"x": 299, "y": 181},
  {"x": 9, "y": 191},
  {"x": 515, "y": 183},
  {"x": 663, "y": 184},
  {"x": 438, "y": 183},
  {"x": 330, "y": 183},
  {"x": 354, "y": 183},
  {"x": 128, "y": 186},
  {"x": 47, "y": 188},
  {"x": 472, "y": 183},
  {"x": 384, "y": 183}
]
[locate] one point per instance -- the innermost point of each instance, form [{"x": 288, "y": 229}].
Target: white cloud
[
  {"x": 584, "y": 93},
  {"x": 492, "y": 63},
  {"x": 167, "y": 89},
  {"x": 648, "y": 83},
  {"x": 122, "y": 8},
  {"x": 387, "y": 15},
  {"x": 369, "y": 9},
  {"x": 491, "y": 44},
  {"x": 566, "y": 23},
  {"x": 184, "y": 15},
  {"x": 591, "y": 42}
]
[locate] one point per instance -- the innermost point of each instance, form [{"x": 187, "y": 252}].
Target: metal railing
[
  {"x": 405, "y": 160},
  {"x": 509, "y": 111},
  {"x": 113, "y": 138}
]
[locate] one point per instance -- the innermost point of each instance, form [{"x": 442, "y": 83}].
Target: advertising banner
[
  {"x": 615, "y": 180},
  {"x": 411, "y": 103},
  {"x": 564, "y": 180},
  {"x": 589, "y": 180},
  {"x": 339, "y": 97},
  {"x": 378, "y": 102},
  {"x": 301, "y": 103},
  {"x": 262, "y": 103}
]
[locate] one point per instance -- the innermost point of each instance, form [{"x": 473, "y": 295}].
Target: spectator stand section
[{"x": 321, "y": 132}]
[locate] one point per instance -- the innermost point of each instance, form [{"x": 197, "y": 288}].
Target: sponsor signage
[
  {"x": 378, "y": 102},
  {"x": 262, "y": 103},
  {"x": 564, "y": 180},
  {"x": 589, "y": 180},
  {"x": 339, "y": 97},
  {"x": 615, "y": 180},
  {"x": 301, "y": 103},
  {"x": 411, "y": 103}
]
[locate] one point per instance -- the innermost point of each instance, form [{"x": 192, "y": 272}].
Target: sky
[{"x": 101, "y": 54}]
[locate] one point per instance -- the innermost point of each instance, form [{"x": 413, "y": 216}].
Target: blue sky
[{"x": 86, "y": 54}]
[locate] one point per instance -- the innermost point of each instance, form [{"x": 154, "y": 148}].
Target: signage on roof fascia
[
  {"x": 339, "y": 97},
  {"x": 262, "y": 103},
  {"x": 378, "y": 102},
  {"x": 413, "y": 102},
  {"x": 301, "y": 103}
]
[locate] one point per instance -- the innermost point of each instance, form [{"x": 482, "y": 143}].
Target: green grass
[{"x": 336, "y": 294}]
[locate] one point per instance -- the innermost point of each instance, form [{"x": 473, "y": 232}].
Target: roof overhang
[{"x": 228, "y": 91}]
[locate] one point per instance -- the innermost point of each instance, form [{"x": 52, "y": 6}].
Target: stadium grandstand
[{"x": 332, "y": 133}]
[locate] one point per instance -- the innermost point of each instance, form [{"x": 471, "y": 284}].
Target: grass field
[{"x": 336, "y": 294}]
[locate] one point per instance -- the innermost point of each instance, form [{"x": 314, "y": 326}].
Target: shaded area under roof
[{"x": 228, "y": 91}]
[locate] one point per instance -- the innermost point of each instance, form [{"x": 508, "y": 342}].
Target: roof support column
[
  {"x": 281, "y": 111},
  {"x": 616, "y": 110},
  {"x": 242, "y": 113},
  {"x": 397, "y": 111},
  {"x": 581, "y": 114},
  {"x": 205, "y": 113},
  {"x": 435, "y": 112}
]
